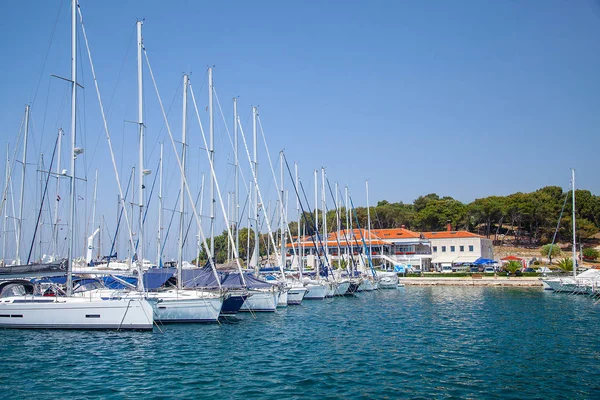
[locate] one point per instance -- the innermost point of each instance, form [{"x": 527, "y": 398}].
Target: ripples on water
[{"x": 415, "y": 342}]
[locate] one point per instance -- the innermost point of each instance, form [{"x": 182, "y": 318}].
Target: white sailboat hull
[
  {"x": 315, "y": 291},
  {"x": 283, "y": 299},
  {"x": 331, "y": 286},
  {"x": 367, "y": 285},
  {"x": 341, "y": 289},
  {"x": 185, "y": 306},
  {"x": 40, "y": 312},
  {"x": 295, "y": 295},
  {"x": 261, "y": 301}
]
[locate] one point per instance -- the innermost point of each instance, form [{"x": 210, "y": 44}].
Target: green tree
[
  {"x": 487, "y": 211},
  {"x": 550, "y": 251},
  {"x": 590, "y": 254},
  {"x": 437, "y": 213},
  {"x": 566, "y": 264},
  {"x": 512, "y": 266},
  {"x": 422, "y": 201}
]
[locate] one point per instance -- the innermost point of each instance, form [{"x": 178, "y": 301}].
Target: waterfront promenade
[{"x": 530, "y": 281}]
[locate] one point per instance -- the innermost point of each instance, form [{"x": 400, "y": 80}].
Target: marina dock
[{"x": 473, "y": 281}]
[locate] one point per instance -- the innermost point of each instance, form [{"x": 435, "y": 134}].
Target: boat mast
[
  {"x": 339, "y": 226},
  {"x": 324, "y": 215},
  {"x": 39, "y": 224},
  {"x": 73, "y": 154},
  {"x": 368, "y": 217},
  {"x": 316, "y": 230},
  {"x": 236, "y": 179},
  {"x": 574, "y": 234},
  {"x": 94, "y": 201},
  {"x": 349, "y": 230},
  {"x": 141, "y": 171},
  {"x": 282, "y": 219},
  {"x": 160, "y": 209},
  {"x": 58, "y": 176},
  {"x": 24, "y": 161},
  {"x": 200, "y": 210},
  {"x": 300, "y": 245},
  {"x": 212, "y": 159},
  {"x": 182, "y": 184},
  {"x": 255, "y": 189},
  {"x": 7, "y": 178},
  {"x": 250, "y": 204}
]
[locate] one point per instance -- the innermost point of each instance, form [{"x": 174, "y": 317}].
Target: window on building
[
  {"x": 452, "y": 248},
  {"x": 443, "y": 249},
  {"x": 462, "y": 248},
  {"x": 471, "y": 248},
  {"x": 435, "y": 249}
]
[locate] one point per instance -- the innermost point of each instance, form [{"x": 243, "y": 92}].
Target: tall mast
[
  {"x": 55, "y": 235},
  {"x": 300, "y": 246},
  {"x": 282, "y": 218},
  {"x": 20, "y": 222},
  {"x": 324, "y": 214},
  {"x": 236, "y": 180},
  {"x": 200, "y": 211},
  {"x": 182, "y": 187},
  {"x": 7, "y": 178},
  {"x": 160, "y": 209},
  {"x": 41, "y": 169},
  {"x": 141, "y": 171},
  {"x": 212, "y": 159},
  {"x": 99, "y": 252},
  {"x": 368, "y": 217},
  {"x": 255, "y": 152},
  {"x": 316, "y": 230},
  {"x": 339, "y": 225},
  {"x": 94, "y": 202},
  {"x": 73, "y": 155},
  {"x": 574, "y": 234},
  {"x": 349, "y": 231}
]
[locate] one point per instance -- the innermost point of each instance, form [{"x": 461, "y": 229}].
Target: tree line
[{"x": 519, "y": 219}]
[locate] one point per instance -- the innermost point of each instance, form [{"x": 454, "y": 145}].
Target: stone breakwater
[{"x": 469, "y": 281}]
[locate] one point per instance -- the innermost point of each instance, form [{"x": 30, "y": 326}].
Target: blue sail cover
[
  {"x": 59, "y": 280},
  {"x": 156, "y": 277},
  {"x": 199, "y": 278},
  {"x": 234, "y": 280},
  {"x": 111, "y": 283}
]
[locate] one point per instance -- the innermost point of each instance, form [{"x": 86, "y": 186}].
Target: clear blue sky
[{"x": 463, "y": 98}]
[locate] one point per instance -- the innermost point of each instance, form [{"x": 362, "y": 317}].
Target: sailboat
[
  {"x": 179, "y": 304},
  {"x": 22, "y": 305},
  {"x": 583, "y": 283}
]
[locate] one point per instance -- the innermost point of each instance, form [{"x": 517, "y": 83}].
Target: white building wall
[{"x": 458, "y": 250}]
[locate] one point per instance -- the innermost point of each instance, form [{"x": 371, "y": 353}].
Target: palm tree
[
  {"x": 513, "y": 266},
  {"x": 566, "y": 264}
]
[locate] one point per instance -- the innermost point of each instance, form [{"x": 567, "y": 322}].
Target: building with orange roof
[
  {"x": 450, "y": 248},
  {"x": 390, "y": 247},
  {"x": 397, "y": 246}
]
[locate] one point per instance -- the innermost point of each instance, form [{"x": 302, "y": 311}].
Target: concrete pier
[{"x": 473, "y": 281}]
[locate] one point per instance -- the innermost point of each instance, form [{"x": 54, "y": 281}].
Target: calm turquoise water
[{"x": 415, "y": 342}]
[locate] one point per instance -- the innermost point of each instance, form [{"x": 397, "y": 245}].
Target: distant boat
[
  {"x": 387, "y": 280},
  {"x": 571, "y": 284}
]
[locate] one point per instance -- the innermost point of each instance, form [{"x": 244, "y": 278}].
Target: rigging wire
[
  {"x": 311, "y": 222},
  {"x": 47, "y": 53},
  {"x": 42, "y": 205}
]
